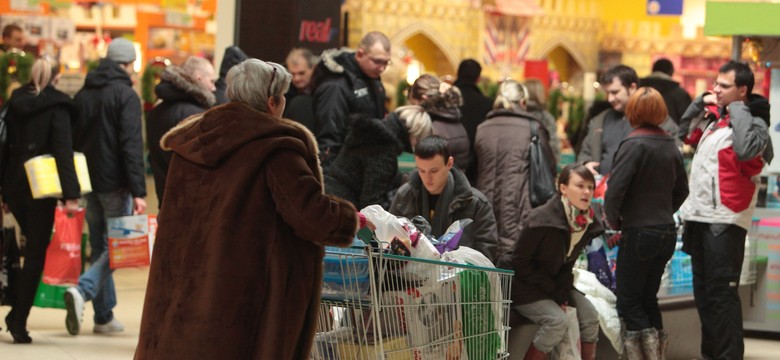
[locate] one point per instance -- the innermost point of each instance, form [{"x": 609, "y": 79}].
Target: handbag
[
  {"x": 9, "y": 264},
  {"x": 541, "y": 186}
]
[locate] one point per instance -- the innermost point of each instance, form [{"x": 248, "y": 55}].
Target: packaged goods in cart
[
  {"x": 432, "y": 318},
  {"x": 451, "y": 238}
]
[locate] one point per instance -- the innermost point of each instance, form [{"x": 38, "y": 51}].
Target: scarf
[{"x": 578, "y": 221}]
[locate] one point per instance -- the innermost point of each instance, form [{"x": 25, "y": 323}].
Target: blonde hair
[
  {"x": 44, "y": 70},
  {"x": 435, "y": 94},
  {"x": 512, "y": 95},
  {"x": 416, "y": 121},
  {"x": 248, "y": 82}
]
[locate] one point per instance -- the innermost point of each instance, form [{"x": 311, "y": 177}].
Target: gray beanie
[{"x": 121, "y": 50}]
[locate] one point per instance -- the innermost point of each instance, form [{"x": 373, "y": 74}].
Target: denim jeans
[
  {"x": 641, "y": 262},
  {"x": 97, "y": 283},
  {"x": 717, "y": 252},
  {"x": 553, "y": 322}
]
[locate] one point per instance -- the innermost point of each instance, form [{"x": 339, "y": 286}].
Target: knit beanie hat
[{"x": 121, "y": 50}]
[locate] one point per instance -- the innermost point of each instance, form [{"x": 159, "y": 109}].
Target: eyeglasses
[
  {"x": 273, "y": 77},
  {"x": 723, "y": 86},
  {"x": 380, "y": 62}
]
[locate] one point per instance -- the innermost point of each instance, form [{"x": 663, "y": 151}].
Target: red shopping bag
[{"x": 63, "y": 257}]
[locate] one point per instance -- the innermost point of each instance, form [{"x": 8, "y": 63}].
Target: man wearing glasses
[
  {"x": 733, "y": 149},
  {"x": 347, "y": 82}
]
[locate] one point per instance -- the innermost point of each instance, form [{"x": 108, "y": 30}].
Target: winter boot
[
  {"x": 632, "y": 341},
  {"x": 650, "y": 343},
  {"x": 588, "y": 351},
  {"x": 534, "y": 354},
  {"x": 663, "y": 343}
]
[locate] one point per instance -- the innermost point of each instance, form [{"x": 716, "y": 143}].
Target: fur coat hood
[
  {"x": 178, "y": 85},
  {"x": 204, "y": 138}
]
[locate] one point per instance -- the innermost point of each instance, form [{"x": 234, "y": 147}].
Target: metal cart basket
[{"x": 383, "y": 306}]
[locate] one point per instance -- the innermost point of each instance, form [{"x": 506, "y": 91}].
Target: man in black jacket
[
  {"x": 184, "y": 91},
  {"x": 675, "y": 97},
  {"x": 300, "y": 63},
  {"x": 108, "y": 132},
  {"x": 442, "y": 195},
  {"x": 345, "y": 83}
]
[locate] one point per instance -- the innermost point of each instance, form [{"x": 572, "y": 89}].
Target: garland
[{"x": 14, "y": 66}]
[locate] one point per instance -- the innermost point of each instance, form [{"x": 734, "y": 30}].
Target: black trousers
[
  {"x": 717, "y": 252},
  {"x": 642, "y": 258},
  {"x": 36, "y": 219}
]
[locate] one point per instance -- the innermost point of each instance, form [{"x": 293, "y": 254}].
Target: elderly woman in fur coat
[{"x": 237, "y": 267}]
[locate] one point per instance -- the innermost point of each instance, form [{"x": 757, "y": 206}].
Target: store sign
[
  {"x": 664, "y": 7},
  {"x": 317, "y": 31}
]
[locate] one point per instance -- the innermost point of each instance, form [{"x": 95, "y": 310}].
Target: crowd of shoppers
[{"x": 307, "y": 176}]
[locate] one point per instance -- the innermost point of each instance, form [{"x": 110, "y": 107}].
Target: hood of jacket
[
  {"x": 107, "y": 73},
  {"x": 552, "y": 215},
  {"x": 659, "y": 82},
  {"x": 336, "y": 62},
  {"x": 451, "y": 115},
  {"x": 365, "y": 131},
  {"x": 177, "y": 85},
  {"x": 208, "y": 137},
  {"x": 25, "y": 103},
  {"x": 759, "y": 107},
  {"x": 233, "y": 56}
]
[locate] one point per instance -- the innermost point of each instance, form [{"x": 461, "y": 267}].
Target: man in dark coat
[
  {"x": 184, "y": 91},
  {"x": 300, "y": 64},
  {"x": 233, "y": 55},
  {"x": 675, "y": 97},
  {"x": 345, "y": 83},
  {"x": 108, "y": 132},
  {"x": 475, "y": 105},
  {"x": 442, "y": 195}
]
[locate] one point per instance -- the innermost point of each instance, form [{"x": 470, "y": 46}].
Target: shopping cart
[{"x": 383, "y": 306}]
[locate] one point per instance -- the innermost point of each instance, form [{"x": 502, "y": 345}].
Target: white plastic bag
[
  {"x": 603, "y": 301},
  {"x": 569, "y": 347}
]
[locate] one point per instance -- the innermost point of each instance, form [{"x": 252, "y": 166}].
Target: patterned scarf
[{"x": 578, "y": 219}]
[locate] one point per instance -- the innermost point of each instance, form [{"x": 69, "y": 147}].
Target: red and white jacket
[{"x": 726, "y": 167}]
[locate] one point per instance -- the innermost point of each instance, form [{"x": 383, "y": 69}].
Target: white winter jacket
[{"x": 726, "y": 166}]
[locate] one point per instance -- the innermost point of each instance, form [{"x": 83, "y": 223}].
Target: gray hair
[
  {"x": 196, "y": 64},
  {"x": 248, "y": 82},
  {"x": 511, "y": 94},
  {"x": 298, "y": 54}
]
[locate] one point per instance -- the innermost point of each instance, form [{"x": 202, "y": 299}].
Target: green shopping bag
[{"x": 479, "y": 321}]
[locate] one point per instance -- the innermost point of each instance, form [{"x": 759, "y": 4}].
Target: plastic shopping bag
[
  {"x": 569, "y": 347},
  {"x": 128, "y": 241},
  {"x": 63, "y": 257}
]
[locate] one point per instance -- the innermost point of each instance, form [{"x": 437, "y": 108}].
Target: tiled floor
[{"x": 52, "y": 342}]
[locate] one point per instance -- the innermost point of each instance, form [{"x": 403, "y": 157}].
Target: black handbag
[
  {"x": 9, "y": 265},
  {"x": 541, "y": 185}
]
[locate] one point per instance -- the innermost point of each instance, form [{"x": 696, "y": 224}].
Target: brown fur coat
[{"x": 237, "y": 266}]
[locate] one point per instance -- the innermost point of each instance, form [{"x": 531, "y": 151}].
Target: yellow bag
[{"x": 45, "y": 181}]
